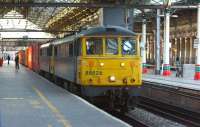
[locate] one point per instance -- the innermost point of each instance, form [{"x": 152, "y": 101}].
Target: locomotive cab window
[
  {"x": 111, "y": 46},
  {"x": 94, "y": 46},
  {"x": 129, "y": 46}
]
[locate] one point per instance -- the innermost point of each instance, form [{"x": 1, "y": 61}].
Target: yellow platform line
[{"x": 56, "y": 112}]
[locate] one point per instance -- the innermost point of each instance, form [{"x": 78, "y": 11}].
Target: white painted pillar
[
  {"x": 191, "y": 47},
  {"x": 166, "y": 71},
  {"x": 180, "y": 46},
  {"x": 143, "y": 50},
  {"x": 147, "y": 49},
  {"x": 197, "y": 67},
  {"x": 144, "y": 41},
  {"x": 158, "y": 43},
  {"x": 198, "y": 35},
  {"x": 185, "y": 51},
  {"x": 166, "y": 43},
  {"x": 176, "y": 52}
]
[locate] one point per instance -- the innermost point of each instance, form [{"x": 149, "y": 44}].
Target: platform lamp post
[
  {"x": 166, "y": 65},
  {"x": 197, "y": 66}
]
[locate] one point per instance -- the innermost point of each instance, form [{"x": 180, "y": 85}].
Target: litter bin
[{"x": 1, "y": 62}]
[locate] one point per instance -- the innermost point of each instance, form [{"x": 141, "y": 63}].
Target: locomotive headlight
[
  {"x": 122, "y": 64},
  {"x": 101, "y": 64},
  {"x": 112, "y": 78}
]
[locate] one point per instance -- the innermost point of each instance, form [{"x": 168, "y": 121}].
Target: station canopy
[
  {"x": 52, "y": 18},
  {"x": 14, "y": 26},
  {"x": 58, "y": 19}
]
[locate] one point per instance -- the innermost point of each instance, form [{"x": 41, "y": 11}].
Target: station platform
[
  {"x": 187, "y": 81},
  {"x": 29, "y": 100}
]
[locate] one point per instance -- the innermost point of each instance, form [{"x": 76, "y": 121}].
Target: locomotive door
[
  {"x": 77, "y": 52},
  {"x": 51, "y": 59}
]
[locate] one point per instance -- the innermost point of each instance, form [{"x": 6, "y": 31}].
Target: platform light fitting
[{"x": 173, "y": 16}]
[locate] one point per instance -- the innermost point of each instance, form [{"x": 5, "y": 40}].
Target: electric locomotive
[{"x": 97, "y": 61}]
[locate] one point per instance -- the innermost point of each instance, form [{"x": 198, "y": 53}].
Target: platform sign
[{"x": 196, "y": 42}]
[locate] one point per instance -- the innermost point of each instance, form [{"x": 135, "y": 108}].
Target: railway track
[
  {"x": 171, "y": 112},
  {"x": 128, "y": 119}
]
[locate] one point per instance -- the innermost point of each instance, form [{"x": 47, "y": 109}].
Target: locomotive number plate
[{"x": 93, "y": 73}]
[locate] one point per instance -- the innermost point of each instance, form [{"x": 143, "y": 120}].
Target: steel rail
[
  {"x": 173, "y": 89},
  {"x": 170, "y": 112}
]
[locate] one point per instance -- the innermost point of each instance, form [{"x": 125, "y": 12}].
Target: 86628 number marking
[{"x": 93, "y": 73}]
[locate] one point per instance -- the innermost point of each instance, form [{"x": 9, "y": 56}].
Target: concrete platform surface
[
  {"x": 28, "y": 100},
  {"x": 183, "y": 82}
]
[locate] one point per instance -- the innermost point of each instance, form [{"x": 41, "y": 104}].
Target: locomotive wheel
[
  {"x": 58, "y": 81},
  {"x": 70, "y": 87},
  {"x": 111, "y": 104},
  {"x": 124, "y": 101},
  {"x": 133, "y": 102},
  {"x": 124, "y": 106},
  {"x": 65, "y": 85},
  {"x": 46, "y": 75},
  {"x": 79, "y": 90}
]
